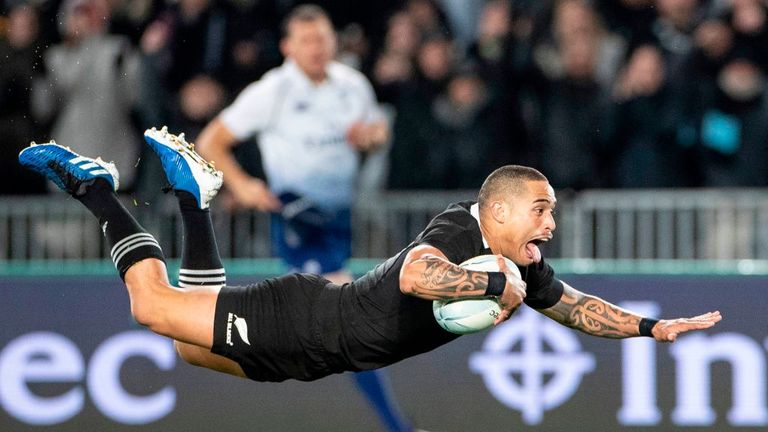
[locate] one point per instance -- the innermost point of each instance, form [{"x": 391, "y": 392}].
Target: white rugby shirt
[{"x": 302, "y": 129}]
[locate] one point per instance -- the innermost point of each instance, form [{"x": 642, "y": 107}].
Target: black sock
[
  {"x": 200, "y": 261},
  {"x": 130, "y": 242}
]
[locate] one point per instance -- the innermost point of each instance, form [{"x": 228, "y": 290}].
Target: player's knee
[
  {"x": 145, "y": 304},
  {"x": 140, "y": 313}
]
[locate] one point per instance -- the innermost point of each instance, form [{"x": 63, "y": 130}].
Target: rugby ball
[{"x": 464, "y": 316}]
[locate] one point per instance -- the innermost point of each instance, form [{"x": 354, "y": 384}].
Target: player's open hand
[
  {"x": 254, "y": 193},
  {"x": 513, "y": 295},
  {"x": 367, "y": 136},
  {"x": 668, "y": 330}
]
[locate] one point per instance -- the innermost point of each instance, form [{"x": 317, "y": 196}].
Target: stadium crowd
[{"x": 603, "y": 93}]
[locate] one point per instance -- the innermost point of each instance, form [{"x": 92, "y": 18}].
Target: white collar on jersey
[
  {"x": 474, "y": 210},
  {"x": 294, "y": 70}
]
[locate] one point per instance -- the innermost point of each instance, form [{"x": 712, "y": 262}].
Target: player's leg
[
  {"x": 136, "y": 254},
  {"x": 201, "y": 266},
  {"x": 203, "y": 357},
  {"x": 375, "y": 386},
  {"x": 200, "y": 261},
  {"x": 185, "y": 316},
  {"x": 195, "y": 182}
]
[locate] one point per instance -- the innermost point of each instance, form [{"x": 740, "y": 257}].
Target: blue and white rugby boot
[
  {"x": 70, "y": 171},
  {"x": 185, "y": 169}
]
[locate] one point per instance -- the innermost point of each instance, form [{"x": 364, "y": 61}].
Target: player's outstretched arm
[
  {"x": 215, "y": 144},
  {"x": 597, "y": 317}
]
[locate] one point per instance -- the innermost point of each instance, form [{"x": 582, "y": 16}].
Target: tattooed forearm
[
  {"x": 441, "y": 279},
  {"x": 593, "y": 315}
]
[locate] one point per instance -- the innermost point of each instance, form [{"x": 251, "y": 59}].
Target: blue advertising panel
[{"x": 72, "y": 359}]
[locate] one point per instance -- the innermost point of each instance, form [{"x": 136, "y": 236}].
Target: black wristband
[
  {"x": 646, "y": 325},
  {"x": 496, "y": 283}
]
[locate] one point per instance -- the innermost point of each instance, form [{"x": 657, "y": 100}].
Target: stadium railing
[{"x": 714, "y": 224}]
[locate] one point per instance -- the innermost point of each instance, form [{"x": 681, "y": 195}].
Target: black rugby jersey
[{"x": 369, "y": 323}]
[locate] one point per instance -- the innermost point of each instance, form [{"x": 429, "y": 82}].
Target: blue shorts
[{"x": 318, "y": 249}]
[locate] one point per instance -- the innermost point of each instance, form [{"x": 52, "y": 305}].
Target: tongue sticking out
[{"x": 533, "y": 252}]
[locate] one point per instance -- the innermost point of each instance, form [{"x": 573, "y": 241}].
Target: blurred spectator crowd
[{"x": 596, "y": 94}]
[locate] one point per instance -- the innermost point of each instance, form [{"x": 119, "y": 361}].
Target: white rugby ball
[{"x": 464, "y": 316}]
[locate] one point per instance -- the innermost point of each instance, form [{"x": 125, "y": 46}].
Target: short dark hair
[
  {"x": 305, "y": 13},
  {"x": 507, "y": 180}
]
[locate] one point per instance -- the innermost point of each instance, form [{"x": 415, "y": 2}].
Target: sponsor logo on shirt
[
  {"x": 325, "y": 141},
  {"x": 240, "y": 325}
]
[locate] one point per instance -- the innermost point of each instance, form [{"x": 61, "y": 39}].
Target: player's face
[
  {"x": 530, "y": 222},
  {"x": 311, "y": 44}
]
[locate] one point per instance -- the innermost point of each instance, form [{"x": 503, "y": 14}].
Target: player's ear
[
  {"x": 285, "y": 48},
  {"x": 498, "y": 211},
  {"x": 335, "y": 43}
]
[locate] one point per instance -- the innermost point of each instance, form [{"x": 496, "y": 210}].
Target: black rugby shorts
[{"x": 271, "y": 329}]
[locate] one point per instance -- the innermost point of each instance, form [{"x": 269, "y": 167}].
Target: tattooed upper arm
[
  {"x": 428, "y": 274},
  {"x": 592, "y": 315},
  {"x": 442, "y": 279}
]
